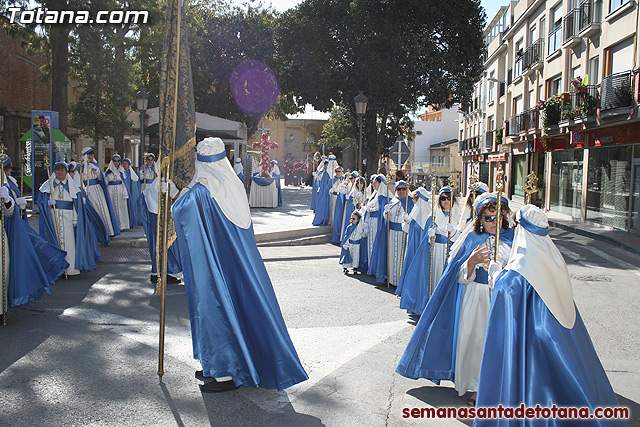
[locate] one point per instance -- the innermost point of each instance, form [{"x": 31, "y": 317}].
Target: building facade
[{"x": 559, "y": 97}]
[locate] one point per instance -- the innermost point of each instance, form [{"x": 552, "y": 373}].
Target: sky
[{"x": 491, "y": 6}]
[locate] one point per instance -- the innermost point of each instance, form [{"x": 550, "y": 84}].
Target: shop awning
[{"x": 58, "y": 136}]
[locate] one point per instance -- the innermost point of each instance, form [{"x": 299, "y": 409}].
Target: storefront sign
[
  {"x": 578, "y": 137},
  {"x": 623, "y": 134},
  {"x": 504, "y": 148},
  {"x": 497, "y": 157}
]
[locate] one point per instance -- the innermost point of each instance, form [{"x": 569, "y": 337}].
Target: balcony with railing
[
  {"x": 469, "y": 145},
  {"x": 533, "y": 57},
  {"x": 523, "y": 122},
  {"x": 555, "y": 40},
  {"x": 616, "y": 93},
  {"x": 488, "y": 141},
  {"x": 517, "y": 67},
  {"x": 570, "y": 31},
  {"x": 580, "y": 105},
  {"x": 589, "y": 18}
]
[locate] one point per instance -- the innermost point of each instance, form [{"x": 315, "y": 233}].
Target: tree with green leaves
[
  {"x": 403, "y": 55},
  {"x": 340, "y": 126}
]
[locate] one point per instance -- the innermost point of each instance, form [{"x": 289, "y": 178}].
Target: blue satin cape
[
  {"x": 133, "y": 190},
  {"x": 378, "y": 262},
  {"x": 345, "y": 254},
  {"x": 430, "y": 352},
  {"x": 338, "y": 212},
  {"x": 150, "y": 225},
  {"x": 277, "y": 178},
  {"x": 323, "y": 201},
  {"x": 34, "y": 264},
  {"x": 530, "y": 358},
  {"x": 414, "y": 239},
  {"x": 107, "y": 197},
  {"x": 314, "y": 188},
  {"x": 236, "y": 324},
  {"x": 87, "y": 249}
]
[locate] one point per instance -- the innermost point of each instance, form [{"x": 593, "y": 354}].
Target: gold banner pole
[
  {"x": 4, "y": 280},
  {"x": 388, "y": 236},
  {"x": 432, "y": 240},
  {"x": 55, "y": 213},
  {"x": 499, "y": 188}
]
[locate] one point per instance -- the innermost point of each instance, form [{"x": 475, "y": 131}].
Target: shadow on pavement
[{"x": 441, "y": 396}]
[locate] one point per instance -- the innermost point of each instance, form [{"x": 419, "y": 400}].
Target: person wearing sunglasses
[
  {"x": 446, "y": 216},
  {"x": 455, "y": 317},
  {"x": 397, "y": 213},
  {"x": 467, "y": 215},
  {"x": 549, "y": 358},
  {"x": 415, "y": 293}
]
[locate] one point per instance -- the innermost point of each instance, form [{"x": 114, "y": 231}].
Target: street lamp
[
  {"x": 142, "y": 99},
  {"x": 361, "y": 109}
]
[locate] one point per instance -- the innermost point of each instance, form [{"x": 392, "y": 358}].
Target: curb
[{"x": 594, "y": 236}]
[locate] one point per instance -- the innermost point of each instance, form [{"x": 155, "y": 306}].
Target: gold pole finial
[{"x": 531, "y": 186}]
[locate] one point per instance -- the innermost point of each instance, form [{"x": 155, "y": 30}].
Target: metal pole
[
  {"x": 360, "y": 168},
  {"x": 142, "y": 114}
]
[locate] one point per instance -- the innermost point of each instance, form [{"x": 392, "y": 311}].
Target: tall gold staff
[
  {"x": 531, "y": 187},
  {"x": 388, "y": 235},
  {"x": 499, "y": 188},
  {"x": 432, "y": 240},
  {"x": 472, "y": 192},
  {"x": 404, "y": 235},
  {"x": 3, "y": 157},
  {"x": 453, "y": 187},
  {"x": 22, "y": 162},
  {"x": 55, "y": 213}
]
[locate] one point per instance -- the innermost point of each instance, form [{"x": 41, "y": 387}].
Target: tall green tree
[
  {"x": 340, "y": 126},
  {"x": 402, "y": 54}
]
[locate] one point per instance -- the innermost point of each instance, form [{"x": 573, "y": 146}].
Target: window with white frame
[
  {"x": 615, "y": 4},
  {"x": 555, "y": 29},
  {"x": 594, "y": 70},
  {"x": 492, "y": 85},
  {"x": 555, "y": 86}
]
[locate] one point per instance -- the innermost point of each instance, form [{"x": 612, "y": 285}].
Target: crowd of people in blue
[
  {"x": 492, "y": 291},
  {"x": 496, "y": 314}
]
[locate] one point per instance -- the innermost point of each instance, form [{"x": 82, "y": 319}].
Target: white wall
[{"x": 435, "y": 132}]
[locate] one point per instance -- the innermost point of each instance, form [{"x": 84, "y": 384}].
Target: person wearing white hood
[
  {"x": 114, "y": 176},
  {"x": 96, "y": 188},
  {"x": 537, "y": 350},
  {"x": 238, "y": 332},
  {"x": 467, "y": 213},
  {"x": 397, "y": 214},
  {"x": 239, "y": 169},
  {"x": 375, "y": 227}
]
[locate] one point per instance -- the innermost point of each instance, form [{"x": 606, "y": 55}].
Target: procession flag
[{"x": 177, "y": 139}]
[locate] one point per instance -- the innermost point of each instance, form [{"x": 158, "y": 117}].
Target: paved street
[{"x": 87, "y": 354}]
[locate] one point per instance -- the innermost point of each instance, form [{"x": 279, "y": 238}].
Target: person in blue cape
[
  {"x": 447, "y": 341},
  {"x": 377, "y": 227},
  {"x": 354, "y": 197},
  {"x": 31, "y": 264},
  {"x": 99, "y": 228},
  {"x": 350, "y": 244},
  {"x": 148, "y": 172},
  {"x": 419, "y": 216},
  {"x": 537, "y": 350},
  {"x": 71, "y": 229},
  {"x": 338, "y": 188},
  {"x": 132, "y": 183},
  {"x": 14, "y": 190},
  {"x": 96, "y": 188},
  {"x": 238, "y": 332},
  {"x": 323, "y": 198},
  {"x": 316, "y": 179},
  {"x": 118, "y": 193},
  {"x": 239, "y": 169},
  {"x": 148, "y": 206},
  {"x": 397, "y": 214}
]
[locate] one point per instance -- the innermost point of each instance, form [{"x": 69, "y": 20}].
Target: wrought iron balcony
[
  {"x": 534, "y": 55},
  {"x": 617, "y": 91},
  {"x": 488, "y": 141},
  {"x": 570, "y": 28},
  {"x": 523, "y": 122},
  {"x": 582, "y": 103},
  {"x": 588, "y": 18}
]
